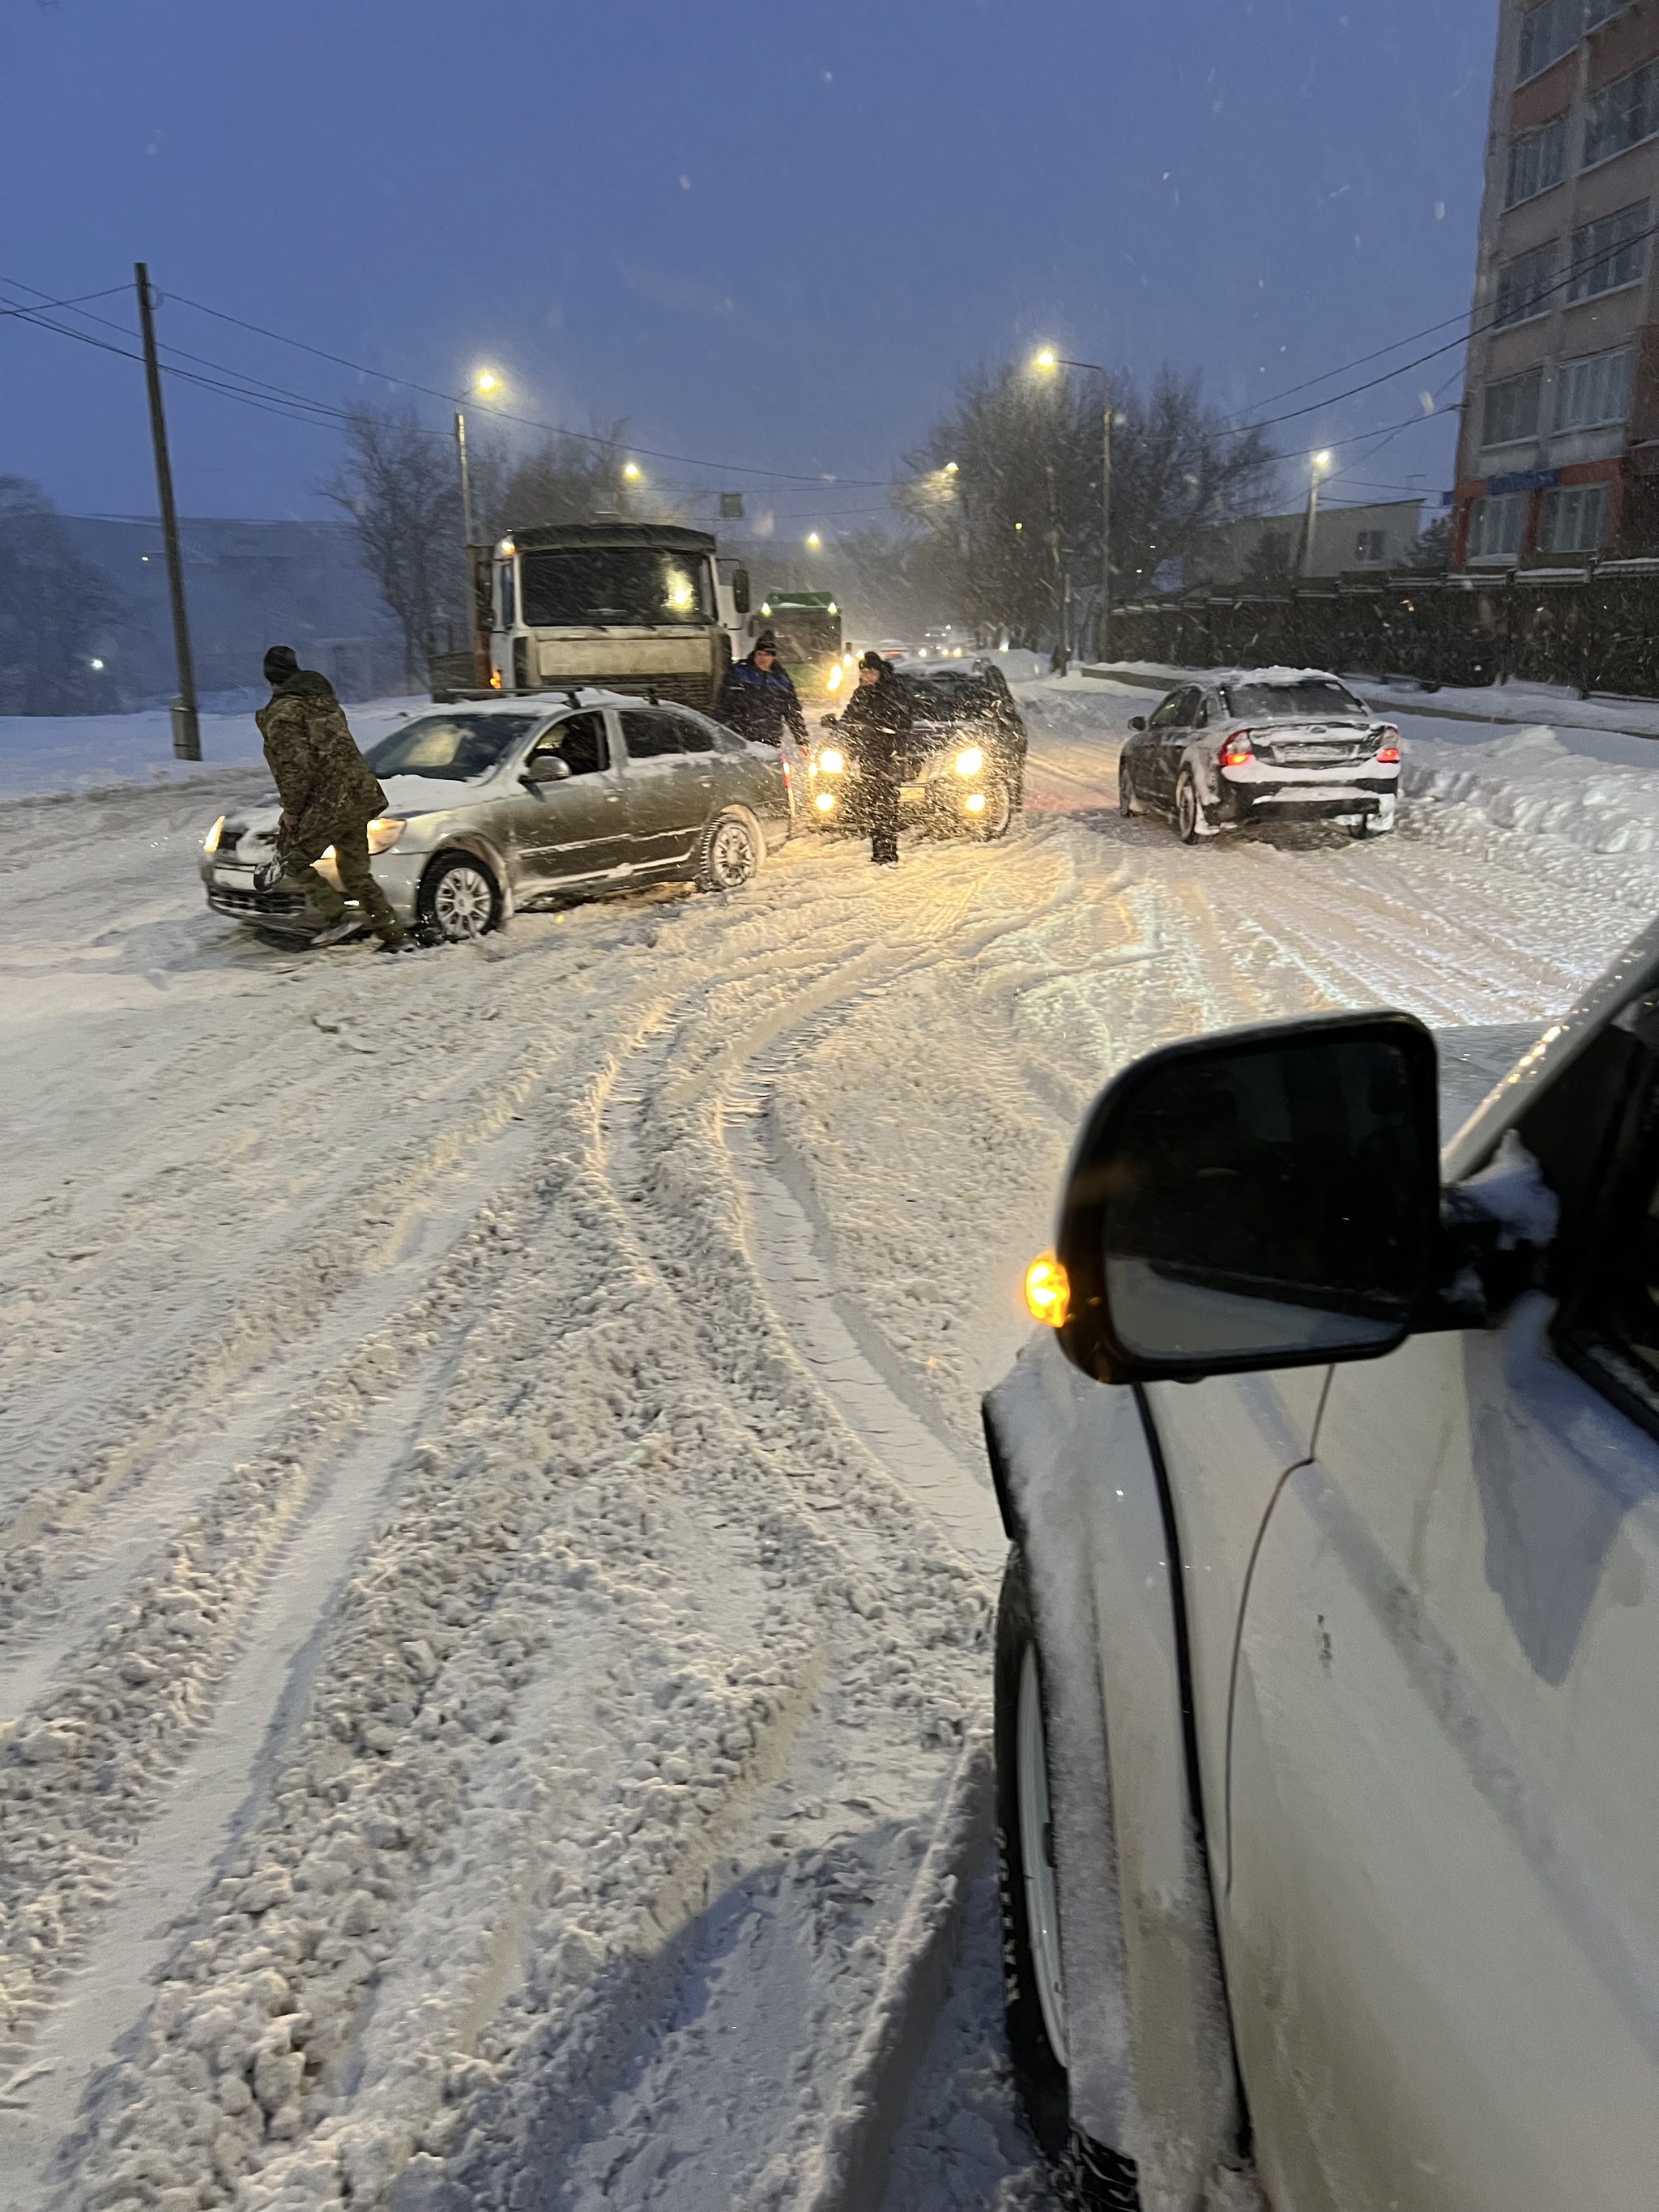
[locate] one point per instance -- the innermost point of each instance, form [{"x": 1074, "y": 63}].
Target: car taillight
[
  {"x": 1387, "y": 748},
  {"x": 1236, "y": 750}
]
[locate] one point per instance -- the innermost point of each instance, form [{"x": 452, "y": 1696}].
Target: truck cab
[{"x": 625, "y": 606}]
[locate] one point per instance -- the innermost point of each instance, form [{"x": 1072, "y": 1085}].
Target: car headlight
[
  {"x": 210, "y": 842},
  {"x": 384, "y": 833},
  {"x": 824, "y": 801},
  {"x": 832, "y": 681},
  {"x": 831, "y": 762},
  {"x": 969, "y": 761}
]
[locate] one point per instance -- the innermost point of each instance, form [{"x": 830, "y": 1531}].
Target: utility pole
[
  {"x": 186, "y": 723},
  {"x": 1103, "y": 640},
  {"x": 1047, "y": 362},
  {"x": 477, "y": 631},
  {"x": 1315, "y": 467}
]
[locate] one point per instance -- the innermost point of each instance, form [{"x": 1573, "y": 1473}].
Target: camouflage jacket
[{"x": 321, "y": 777}]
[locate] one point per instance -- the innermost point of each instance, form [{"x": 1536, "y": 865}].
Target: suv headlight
[
  {"x": 210, "y": 842},
  {"x": 831, "y": 762},
  {"x": 969, "y": 761}
]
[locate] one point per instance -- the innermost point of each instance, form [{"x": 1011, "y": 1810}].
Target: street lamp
[
  {"x": 813, "y": 540},
  {"x": 485, "y": 382},
  {"x": 1318, "y": 466},
  {"x": 631, "y": 471},
  {"x": 1048, "y": 359}
]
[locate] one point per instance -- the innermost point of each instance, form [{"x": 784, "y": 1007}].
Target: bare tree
[
  {"x": 1021, "y": 508},
  {"x": 400, "y": 487},
  {"x": 58, "y": 615},
  {"x": 564, "y": 479}
]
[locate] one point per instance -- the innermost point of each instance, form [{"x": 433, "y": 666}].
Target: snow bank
[{"x": 1593, "y": 788}]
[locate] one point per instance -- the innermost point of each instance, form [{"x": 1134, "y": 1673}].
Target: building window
[
  {"x": 1368, "y": 549},
  {"x": 1593, "y": 391},
  {"x": 1495, "y": 527},
  {"x": 1622, "y": 115},
  {"x": 1537, "y": 162},
  {"x": 1524, "y": 282},
  {"x": 1511, "y": 408},
  {"x": 1574, "y": 519},
  {"x": 1546, "y": 33},
  {"x": 1608, "y": 253}
]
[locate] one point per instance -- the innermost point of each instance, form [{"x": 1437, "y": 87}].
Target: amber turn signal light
[{"x": 1048, "y": 1294}]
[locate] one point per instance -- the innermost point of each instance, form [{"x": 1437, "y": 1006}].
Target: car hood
[{"x": 404, "y": 795}]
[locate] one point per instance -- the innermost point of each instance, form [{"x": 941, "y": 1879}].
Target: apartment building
[{"x": 1558, "y": 454}]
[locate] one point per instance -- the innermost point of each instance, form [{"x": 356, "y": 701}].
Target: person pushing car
[
  {"x": 757, "y": 698},
  {"x": 874, "y": 724},
  {"x": 330, "y": 795}
]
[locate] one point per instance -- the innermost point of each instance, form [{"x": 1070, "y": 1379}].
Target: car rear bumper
[{"x": 1361, "y": 796}]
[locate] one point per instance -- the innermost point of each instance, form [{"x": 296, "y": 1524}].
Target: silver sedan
[{"x": 492, "y": 807}]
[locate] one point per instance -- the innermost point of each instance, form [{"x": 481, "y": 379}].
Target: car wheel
[
  {"x": 1126, "y": 789},
  {"x": 460, "y": 899},
  {"x": 1033, "y": 1982},
  {"x": 998, "y": 812},
  {"x": 1187, "y": 812},
  {"x": 731, "y": 855}
]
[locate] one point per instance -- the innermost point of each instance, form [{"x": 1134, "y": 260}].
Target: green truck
[{"x": 807, "y": 626}]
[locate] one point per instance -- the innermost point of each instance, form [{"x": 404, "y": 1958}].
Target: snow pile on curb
[{"x": 1594, "y": 789}]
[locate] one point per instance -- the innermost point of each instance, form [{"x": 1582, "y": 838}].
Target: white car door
[{"x": 1441, "y": 1899}]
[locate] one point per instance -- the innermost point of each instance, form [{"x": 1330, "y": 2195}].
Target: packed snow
[{"x": 497, "y": 1562}]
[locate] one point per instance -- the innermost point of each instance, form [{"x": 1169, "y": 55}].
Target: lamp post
[
  {"x": 1316, "y": 468},
  {"x": 484, "y": 382},
  {"x": 1048, "y": 359}
]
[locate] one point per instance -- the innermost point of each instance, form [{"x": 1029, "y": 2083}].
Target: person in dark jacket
[
  {"x": 330, "y": 795},
  {"x": 874, "y": 724},
  {"x": 756, "y": 698}
]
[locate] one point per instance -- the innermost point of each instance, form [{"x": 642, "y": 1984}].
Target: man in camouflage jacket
[{"x": 328, "y": 794}]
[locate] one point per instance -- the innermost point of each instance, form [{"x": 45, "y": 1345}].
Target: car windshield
[
  {"x": 454, "y": 747},
  {"x": 1314, "y": 698},
  {"x": 946, "y": 695},
  {"x": 613, "y": 586}
]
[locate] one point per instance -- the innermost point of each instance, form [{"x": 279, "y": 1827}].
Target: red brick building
[{"x": 1558, "y": 455}]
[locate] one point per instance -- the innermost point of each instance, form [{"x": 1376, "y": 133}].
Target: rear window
[
  {"x": 1319, "y": 699},
  {"x": 453, "y": 747}
]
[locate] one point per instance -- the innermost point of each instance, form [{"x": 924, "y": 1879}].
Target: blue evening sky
[{"x": 768, "y": 235}]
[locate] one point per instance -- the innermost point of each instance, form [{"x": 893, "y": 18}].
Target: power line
[{"x": 107, "y": 292}]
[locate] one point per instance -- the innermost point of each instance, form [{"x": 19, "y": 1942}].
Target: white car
[
  {"x": 1254, "y": 744},
  {"x": 1327, "y": 1659}
]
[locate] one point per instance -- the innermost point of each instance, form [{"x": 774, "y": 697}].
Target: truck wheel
[
  {"x": 460, "y": 899},
  {"x": 731, "y": 855},
  {"x": 1028, "y": 1883}
]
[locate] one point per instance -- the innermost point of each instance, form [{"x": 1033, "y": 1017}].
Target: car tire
[
  {"x": 1125, "y": 789},
  {"x": 730, "y": 853},
  {"x": 1188, "y": 810},
  {"x": 999, "y": 814},
  {"x": 460, "y": 900},
  {"x": 1097, "y": 2179}
]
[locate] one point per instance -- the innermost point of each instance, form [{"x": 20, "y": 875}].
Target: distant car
[
  {"x": 1327, "y": 1655},
  {"x": 1262, "y": 745},
  {"x": 491, "y": 807},
  {"x": 963, "y": 770}
]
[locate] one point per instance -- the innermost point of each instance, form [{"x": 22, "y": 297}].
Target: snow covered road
[{"x": 496, "y": 1555}]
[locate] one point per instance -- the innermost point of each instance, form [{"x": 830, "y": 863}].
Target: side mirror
[
  {"x": 740, "y": 590},
  {"x": 1266, "y": 1199},
  {"x": 1137, "y": 722},
  {"x": 545, "y": 768}
]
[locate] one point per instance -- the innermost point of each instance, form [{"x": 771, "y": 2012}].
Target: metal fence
[{"x": 1596, "y": 628}]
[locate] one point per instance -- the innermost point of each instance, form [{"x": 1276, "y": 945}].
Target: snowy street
[{"x": 496, "y": 1558}]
